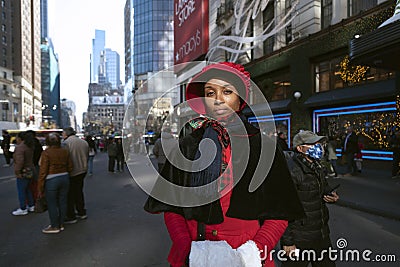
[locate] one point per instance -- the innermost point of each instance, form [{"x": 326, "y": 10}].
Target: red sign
[{"x": 190, "y": 29}]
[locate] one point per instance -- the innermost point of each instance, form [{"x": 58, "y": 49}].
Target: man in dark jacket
[
  {"x": 311, "y": 232},
  {"x": 350, "y": 149},
  {"x": 5, "y": 146}
]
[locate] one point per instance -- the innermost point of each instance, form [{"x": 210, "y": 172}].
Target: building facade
[
  {"x": 20, "y": 53},
  {"x": 98, "y": 45}
]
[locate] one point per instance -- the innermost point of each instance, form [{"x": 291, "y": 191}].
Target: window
[
  {"x": 327, "y": 75},
  {"x": 277, "y": 86},
  {"x": 326, "y": 13},
  {"x": 356, "y": 6},
  {"x": 5, "y": 75},
  {"x": 4, "y": 39},
  {"x": 3, "y": 27},
  {"x": 3, "y": 3},
  {"x": 268, "y": 21}
]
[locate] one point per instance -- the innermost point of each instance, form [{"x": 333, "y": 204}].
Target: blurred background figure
[
  {"x": 120, "y": 155},
  {"x": 159, "y": 150},
  {"x": 92, "y": 153},
  {"x": 112, "y": 155},
  {"x": 350, "y": 150},
  {"x": 5, "y": 146},
  {"x": 37, "y": 152},
  {"x": 282, "y": 141},
  {"x": 395, "y": 146}
]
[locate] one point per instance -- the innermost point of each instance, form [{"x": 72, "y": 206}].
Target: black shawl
[{"x": 275, "y": 198}]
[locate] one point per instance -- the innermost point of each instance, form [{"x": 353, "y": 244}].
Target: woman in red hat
[{"x": 240, "y": 226}]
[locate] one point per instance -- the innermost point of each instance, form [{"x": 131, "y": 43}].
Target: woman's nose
[{"x": 219, "y": 97}]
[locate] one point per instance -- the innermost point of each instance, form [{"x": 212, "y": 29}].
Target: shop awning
[
  {"x": 362, "y": 93},
  {"x": 380, "y": 48},
  {"x": 275, "y": 106}
]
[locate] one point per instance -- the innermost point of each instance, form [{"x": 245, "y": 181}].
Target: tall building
[
  {"x": 50, "y": 75},
  {"x": 149, "y": 45},
  {"x": 51, "y": 108},
  {"x": 20, "y": 53},
  {"x": 98, "y": 45},
  {"x": 112, "y": 67}
]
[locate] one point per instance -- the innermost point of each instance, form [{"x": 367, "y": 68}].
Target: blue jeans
[
  {"x": 57, "y": 199},
  {"x": 24, "y": 193},
  {"x": 90, "y": 164}
]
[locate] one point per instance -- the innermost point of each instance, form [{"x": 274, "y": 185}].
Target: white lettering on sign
[
  {"x": 183, "y": 9},
  {"x": 243, "y": 12},
  {"x": 191, "y": 45}
]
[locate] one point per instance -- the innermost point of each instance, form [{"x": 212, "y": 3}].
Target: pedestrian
[
  {"x": 395, "y": 147},
  {"x": 350, "y": 150},
  {"x": 53, "y": 182},
  {"x": 37, "y": 152},
  {"x": 101, "y": 145},
  {"x": 165, "y": 143},
  {"x": 5, "y": 146},
  {"x": 79, "y": 152},
  {"x": 112, "y": 155},
  {"x": 358, "y": 157},
  {"x": 120, "y": 155},
  {"x": 248, "y": 225},
  {"x": 23, "y": 169},
  {"x": 311, "y": 232},
  {"x": 92, "y": 152},
  {"x": 332, "y": 157},
  {"x": 282, "y": 141}
]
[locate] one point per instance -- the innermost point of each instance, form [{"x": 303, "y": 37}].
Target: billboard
[
  {"x": 108, "y": 100},
  {"x": 191, "y": 36}
]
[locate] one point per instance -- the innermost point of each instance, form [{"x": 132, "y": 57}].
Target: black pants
[
  {"x": 351, "y": 164},
  {"x": 318, "y": 248},
  {"x": 7, "y": 155},
  {"x": 111, "y": 163},
  {"x": 76, "y": 200},
  {"x": 120, "y": 163}
]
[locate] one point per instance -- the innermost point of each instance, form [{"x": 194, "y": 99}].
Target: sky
[{"x": 72, "y": 26}]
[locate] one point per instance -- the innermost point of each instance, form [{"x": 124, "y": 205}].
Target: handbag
[
  {"x": 27, "y": 173},
  {"x": 41, "y": 205}
]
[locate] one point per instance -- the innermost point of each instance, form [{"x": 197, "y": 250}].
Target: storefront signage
[{"x": 190, "y": 29}]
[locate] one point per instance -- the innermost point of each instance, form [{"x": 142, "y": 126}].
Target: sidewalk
[{"x": 372, "y": 191}]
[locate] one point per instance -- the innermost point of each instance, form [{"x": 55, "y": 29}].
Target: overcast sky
[{"x": 72, "y": 26}]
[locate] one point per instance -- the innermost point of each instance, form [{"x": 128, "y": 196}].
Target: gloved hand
[{"x": 213, "y": 253}]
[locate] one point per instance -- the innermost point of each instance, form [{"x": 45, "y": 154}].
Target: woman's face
[{"x": 221, "y": 98}]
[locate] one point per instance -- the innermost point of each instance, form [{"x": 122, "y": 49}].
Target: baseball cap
[{"x": 307, "y": 137}]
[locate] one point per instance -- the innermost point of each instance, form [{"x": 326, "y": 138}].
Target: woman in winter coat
[
  {"x": 239, "y": 226},
  {"x": 53, "y": 182},
  {"x": 24, "y": 170}
]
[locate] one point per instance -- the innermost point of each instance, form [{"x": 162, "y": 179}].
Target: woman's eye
[
  {"x": 228, "y": 91},
  {"x": 210, "y": 93}
]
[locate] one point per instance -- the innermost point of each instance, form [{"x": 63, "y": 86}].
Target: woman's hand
[{"x": 331, "y": 198}]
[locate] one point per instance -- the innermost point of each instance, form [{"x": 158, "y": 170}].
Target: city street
[{"x": 119, "y": 233}]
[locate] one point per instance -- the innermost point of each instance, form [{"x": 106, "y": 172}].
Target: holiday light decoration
[{"x": 350, "y": 73}]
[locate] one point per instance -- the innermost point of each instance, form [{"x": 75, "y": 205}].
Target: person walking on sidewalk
[
  {"x": 350, "y": 150},
  {"x": 23, "y": 168},
  {"x": 53, "y": 182},
  {"x": 79, "y": 152},
  {"x": 92, "y": 153},
  {"x": 312, "y": 232},
  {"x": 112, "y": 155},
  {"x": 120, "y": 155},
  {"x": 244, "y": 225},
  {"x": 395, "y": 146},
  {"x": 282, "y": 141},
  {"x": 5, "y": 146}
]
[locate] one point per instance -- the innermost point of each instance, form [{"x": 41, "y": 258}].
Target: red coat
[{"x": 234, "y": 231}]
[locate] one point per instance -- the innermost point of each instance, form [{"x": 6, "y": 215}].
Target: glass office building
[{"x": 153, "y": 35}]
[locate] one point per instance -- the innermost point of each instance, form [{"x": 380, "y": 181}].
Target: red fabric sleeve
[
  {"x": 180, "y": 236},
  {"x": 269, "y": 234}
]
